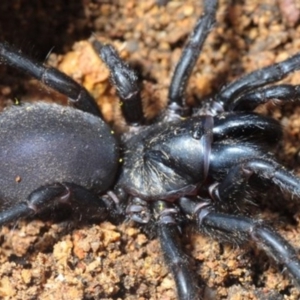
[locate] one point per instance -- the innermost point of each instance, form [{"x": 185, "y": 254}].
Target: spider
[{"x": 183, "y": 167}]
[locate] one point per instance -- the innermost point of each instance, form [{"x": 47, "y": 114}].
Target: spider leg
[
  {"x": 51, "y": 77},
  {"x": 256, "y": 79},
  {"x": 125, "y": 81},
  {"x": 242, "y": 229},
  {"x": 279, "y": 93},
  {"x": 46, "y": 196},
  {"x": 177, "y": 261},
  {"x": 176, "y": 104},
  {"x": 20, "y": 210},
  {"x": 266, "y": 169}
]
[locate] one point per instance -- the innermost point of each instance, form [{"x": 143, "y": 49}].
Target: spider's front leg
[
  {"x": 246, "y": 94},
  {"x": 240, "y": 229},
  {"x": 269, "y": 170}
]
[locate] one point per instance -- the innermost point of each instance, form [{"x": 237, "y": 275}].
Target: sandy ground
[{"x": 62, "y": 260}]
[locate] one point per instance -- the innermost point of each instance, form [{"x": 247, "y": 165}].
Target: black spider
[{"x": 181, "y": 168}]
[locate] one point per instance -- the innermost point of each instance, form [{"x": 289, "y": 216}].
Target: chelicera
[{"x": 183, "y": 167}]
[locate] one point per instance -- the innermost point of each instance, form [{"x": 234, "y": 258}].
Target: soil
[{"x": 46, "y": 259}]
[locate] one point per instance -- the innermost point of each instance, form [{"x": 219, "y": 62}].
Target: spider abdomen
[{"x": 43, "y": 143}]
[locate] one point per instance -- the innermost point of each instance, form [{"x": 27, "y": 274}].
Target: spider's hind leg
[
  {"x": 51, "y": 77},
  {"x": 53, "y": 194}
]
